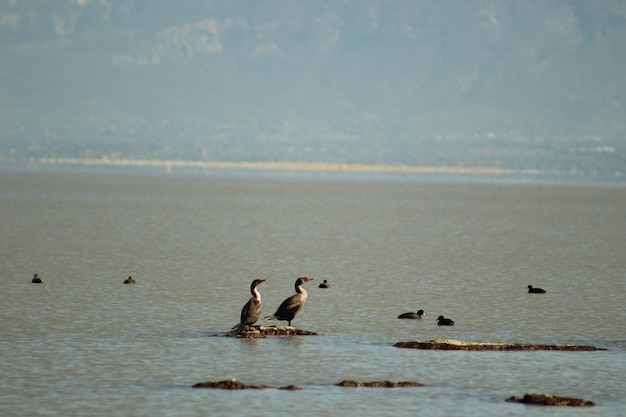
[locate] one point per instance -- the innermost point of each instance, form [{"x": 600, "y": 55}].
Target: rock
[
  {"x": 264, "y": 331},
  {"x": 251, "y": 333},
  {"x": 290, "y": 388},
  {"x": 446, "y": 344},
  {"x": 284, "y": 331},
  {"x": 377, "y": 384},
  {"x": 234, "y": 384},
  {"x": 230, "y": 384},
  {"x": 545, "y": 399}
]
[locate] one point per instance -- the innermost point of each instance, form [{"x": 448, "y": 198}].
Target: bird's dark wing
[
  {"x": 289, "y": 308},
  {"x": 251, "y": 312}
]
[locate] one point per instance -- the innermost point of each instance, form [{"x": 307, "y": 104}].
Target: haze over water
[{"x": 83, "y": 343}]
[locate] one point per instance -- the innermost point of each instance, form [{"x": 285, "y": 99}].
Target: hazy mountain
[{"x": 358, "y": 81}]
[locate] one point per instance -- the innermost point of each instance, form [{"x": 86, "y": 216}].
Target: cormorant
[
  {"x": 251, "y": 312},
  {"x": 37, "y": 280},
  {"x": 130, "y": 280},
  {"x": 533, "y": 290},
  {"x": 324, "y": 284},
  {"x": 411, "y": 315},
  {"x": 442, "y": 321},
  {"x": 292, "y": 305}
]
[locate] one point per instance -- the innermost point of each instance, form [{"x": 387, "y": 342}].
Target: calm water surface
[{"x": 85, "y": 344}]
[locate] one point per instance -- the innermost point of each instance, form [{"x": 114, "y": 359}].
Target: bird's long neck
[
  {"x": 256, "y": 294},
  {"x": 300, "y": 290}
]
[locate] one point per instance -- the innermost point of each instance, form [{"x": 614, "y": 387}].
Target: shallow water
[{"x": 83, "y": 343}]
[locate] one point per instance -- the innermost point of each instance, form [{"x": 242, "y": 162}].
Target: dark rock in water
[
  {"x": 250, "y": 333},
  {"x": 446, "y": 344},
  {"x": 545, "y": 399},
  {"x": 234, "y": 384},
  {"x": 291, "y": 388},
  {"x": 378, "y": 384},
  {"x": 230, "y": 384},
  {"x": 285, "y": 331},
  {"x": 264, "y": 331}
]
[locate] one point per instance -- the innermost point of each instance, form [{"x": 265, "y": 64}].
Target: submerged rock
[
  {"x": 234, "y": 384},
  {"x": 378, "y": 384},
  {"x": 446, "y": 344},
  {"x": 545, "y": 399},
  {"x": 290, "y": 388},
  {"x": 250, "y": 333},
  {"x": 229, "y": 384},
  {"x": 264, "y": 331}
]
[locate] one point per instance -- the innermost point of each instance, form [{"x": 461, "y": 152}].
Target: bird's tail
[{"x": 270, "y": 318}]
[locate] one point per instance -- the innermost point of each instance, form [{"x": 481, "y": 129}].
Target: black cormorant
[
  {"x": 292, "y": 305},
  {"x": 251, "y": 312}
]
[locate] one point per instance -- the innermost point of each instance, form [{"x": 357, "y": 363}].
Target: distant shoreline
[{"x": 286, "y": 166}]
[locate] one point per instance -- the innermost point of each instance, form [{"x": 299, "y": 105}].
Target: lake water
[{"x": 83, "y": 343}]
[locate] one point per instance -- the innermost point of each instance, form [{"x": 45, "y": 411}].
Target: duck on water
[
  {"x": 410, "y": 315},
  {"x": 292, "y": 305},
  {"x": 533, "y": 290},
  {"x": 251, "y": 311},
  {"x": 442, "y": 321}
]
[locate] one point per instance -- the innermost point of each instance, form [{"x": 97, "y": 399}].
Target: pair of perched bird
[
  {"x": 287, "y": 311},
  {"x": 441, "y": 320}
]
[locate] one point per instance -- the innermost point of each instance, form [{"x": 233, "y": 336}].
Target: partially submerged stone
[
  {"x": 378, "y": 384},
  {"x": 228, "y": 384},
  {"x": 234, "y": 384},
  {"x": 448, "y": 344},
  {"x": 545, "y": 399},
  {"x": 264, "y": 331},
  {"x": 250, "y": 333},
  {"x": 290, "y": 388}
]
